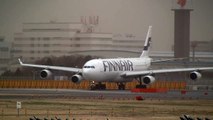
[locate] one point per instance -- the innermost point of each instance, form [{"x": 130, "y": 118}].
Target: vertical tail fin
[{"x": 145, "y": 52}]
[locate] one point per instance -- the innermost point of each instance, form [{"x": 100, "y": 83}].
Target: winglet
[{"x": 21, "y": 63}]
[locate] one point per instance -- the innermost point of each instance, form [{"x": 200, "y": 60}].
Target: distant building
[
  {"x": 4, "y": 55},
  {"x": 202, "y": 46},
  {"x": 40, "y": 40}
]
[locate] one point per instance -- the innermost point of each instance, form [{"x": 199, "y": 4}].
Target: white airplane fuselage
[{"x": 110, "y": 70}]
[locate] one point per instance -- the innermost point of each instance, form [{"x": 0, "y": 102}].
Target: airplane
[{"x": 119, "y": 70}]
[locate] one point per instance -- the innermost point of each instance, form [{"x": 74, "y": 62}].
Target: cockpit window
[{"x": 89, "y": 66}]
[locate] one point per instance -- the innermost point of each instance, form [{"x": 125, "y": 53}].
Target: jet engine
[
  {"x": 195, "y": 75},
  {"x": 148, "y": 79},
  {"x": 45, "y": 74},
  {"x": 76, "y": 78}
]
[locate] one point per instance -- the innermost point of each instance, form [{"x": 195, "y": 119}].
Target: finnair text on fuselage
[{"x": 117, "y": 65}]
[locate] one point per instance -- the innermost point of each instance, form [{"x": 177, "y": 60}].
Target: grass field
[{"x": 96, "y": 109}]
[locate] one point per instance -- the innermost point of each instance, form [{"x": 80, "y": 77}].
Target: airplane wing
[
  {"x": 149, "y": 72},
  {"x": 69, "y": 69}
]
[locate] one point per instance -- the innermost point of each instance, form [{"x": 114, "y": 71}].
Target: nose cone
[
  {"x": 88, "y": 74},
  {"x": 90, "y": 69}
]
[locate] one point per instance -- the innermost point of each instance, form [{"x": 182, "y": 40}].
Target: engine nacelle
[
  {"x": 45, "y": 74},
  {"x": 148, "y": 79},
  {"x": 76, "y": 78},
  {"x": 195, "y": 75}
]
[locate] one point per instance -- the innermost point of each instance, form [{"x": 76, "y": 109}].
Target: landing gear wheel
[
  {"x": 121, "y": 86},
  {"x": 140, "y": 84},
  {"x": 98, "y": 86},
  {"x": 101, "y": 86}
]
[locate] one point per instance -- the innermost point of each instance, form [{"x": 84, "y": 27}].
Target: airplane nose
[{"x": 87, "y": 73}]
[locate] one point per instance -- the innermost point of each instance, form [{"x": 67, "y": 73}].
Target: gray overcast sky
[{"x": 116, "y": 16}]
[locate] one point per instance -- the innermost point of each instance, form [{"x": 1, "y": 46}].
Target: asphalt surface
[{"x": 104, "y": 94}]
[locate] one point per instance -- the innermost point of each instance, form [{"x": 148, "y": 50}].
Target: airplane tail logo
[{"x": 147, "y": 43}]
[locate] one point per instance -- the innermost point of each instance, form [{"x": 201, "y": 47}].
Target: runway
[{"x": 107, "y": 94}]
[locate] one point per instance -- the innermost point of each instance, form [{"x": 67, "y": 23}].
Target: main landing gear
[
  {"x": 100, "y": 86},
  {"x": 121, "y": 86},
  {"x": 97, "y": 86},
  {"x": 140, "y": 84}
]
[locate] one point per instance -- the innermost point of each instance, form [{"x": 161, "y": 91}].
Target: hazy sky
[{"x": 116, "y": 16}]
